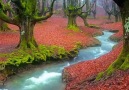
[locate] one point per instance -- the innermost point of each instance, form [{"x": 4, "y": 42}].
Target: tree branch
[
  {"x": 3, "y": 16},
  {"x": 39, "y": 18}
]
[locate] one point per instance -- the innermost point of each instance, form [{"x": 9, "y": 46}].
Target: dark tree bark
[
  {"x": 94, "y": 11},
  {"x": 107, "y": 5},
  {"x": 64, "y": 7},
  {"x": 72, "y": 21},
  {"x": 84, "y": 14},
  {"x": 116, "y": 11},
  {"x": 84, "y": 18},
  {"x": 109, "y": 16}
]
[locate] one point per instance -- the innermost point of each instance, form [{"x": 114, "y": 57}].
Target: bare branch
[{"x": 39, "y": 18}]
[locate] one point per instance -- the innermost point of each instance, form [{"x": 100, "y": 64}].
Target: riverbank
[
  {"x": 115, "y": 27},
  {"x": 49, "y": 33},
  {"x": 78, "y": 76}
]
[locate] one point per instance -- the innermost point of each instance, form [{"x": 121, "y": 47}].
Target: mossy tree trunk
[
  {"x": 122, "y": 62},
  {"x": 72, "y": 22},
  {"x": 85, "y": 22},
  {"x": 25, "y": 17},
  {"x": 3, "y": 26},
  {"x": 72, "y": 11},
  {"x": 84, "y": 18},
  {"x": 27, "y": 39}
]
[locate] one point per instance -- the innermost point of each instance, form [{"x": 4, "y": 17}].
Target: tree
[
  {"x": 94, "y": 8},
  {"x": 107, "y": 5},
  {"x": 122, "y": 62},
  {"x": 43, "y": 7},
  {"x": 115, "y": 11},
  {"x": 24, "y": 15},
  {"x": 3, "y": 25},
  {"x": 72, "y": 11},
  {"x": 84, "y": 14}
]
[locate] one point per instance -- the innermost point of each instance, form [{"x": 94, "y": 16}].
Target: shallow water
[{"x": 49, "y": 77}]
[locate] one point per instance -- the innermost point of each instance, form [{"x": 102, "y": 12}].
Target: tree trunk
[
  {"x": 72, "y": 23},
  {"x": 26, "y": 35},
  {"x": 85, "y": 22},
  {"x": 122, "y": 62},
  {"x": 109, "y": 16},
  {"x": 94, "y": 14},
  {"x": 43, "y": 7},
  {"x": 116, "y": 18},
  {"x": 64, "y": 8}
]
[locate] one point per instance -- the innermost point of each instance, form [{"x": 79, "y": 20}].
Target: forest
[{"x": 64, "y": 45}]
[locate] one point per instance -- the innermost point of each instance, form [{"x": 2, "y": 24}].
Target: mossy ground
[
  {"x": 21, "y": 58},
  {"x": 121, "y": 63},
  {"x": 4, "y": 27},
  {"x": 74, "y": 28}
]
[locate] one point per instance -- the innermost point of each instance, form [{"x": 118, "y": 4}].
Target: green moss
[
  {"x": 22, "y": 57},
  {"x": 125, "y": 65},
  {"x": 99, "y": 76},
  {"x": 34, "y": 55},
  {"x": 2, "y": 66},
  {"x": 4, "y": 27},
  {"x": 19, "y": 57},
  {"x": 57, "y": 52},
  {"x": 74, "y": 28}
]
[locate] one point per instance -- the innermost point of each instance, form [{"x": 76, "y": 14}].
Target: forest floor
[
  {"x": 78, "y": 76},
  {"x": 53, "y": 32}
]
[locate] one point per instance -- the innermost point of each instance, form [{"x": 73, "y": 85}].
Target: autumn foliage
[
  {"x": 50, "y": 32},
  {"x": 80, "y": 75}
]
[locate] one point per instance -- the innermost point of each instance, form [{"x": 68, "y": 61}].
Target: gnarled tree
[
  {"x": 122, "y": 62},
  {"x": 94, "y": 8},
  {"x": 24, "y": 15},
  {"x": 72, "y": 11},
  {"x": 3, "y": 25},
  {"x": 84, "y": 14},
  {"x": 107, "y": 5}
]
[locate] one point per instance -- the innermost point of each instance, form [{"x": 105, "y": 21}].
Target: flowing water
[{"x": 49, "y": 77}]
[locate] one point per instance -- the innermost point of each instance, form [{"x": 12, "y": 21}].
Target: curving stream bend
[{"x": 49, "y": 77}]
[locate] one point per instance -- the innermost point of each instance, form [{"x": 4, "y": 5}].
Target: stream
[{"x": 49, "y": 77}]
